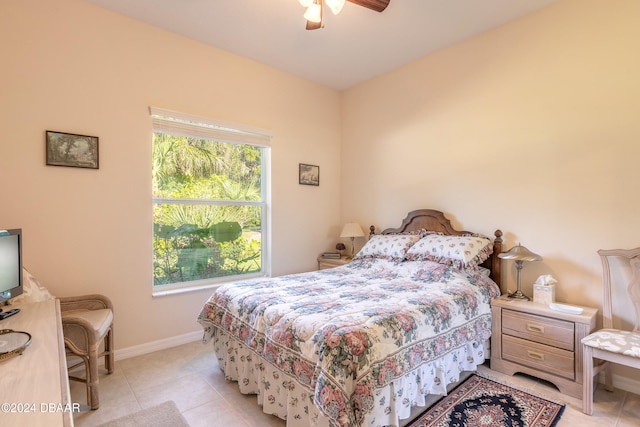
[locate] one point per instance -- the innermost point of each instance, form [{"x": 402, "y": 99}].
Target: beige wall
[
  {"x": 533, "y": 128},
  {"x": 73, "y": 67}
]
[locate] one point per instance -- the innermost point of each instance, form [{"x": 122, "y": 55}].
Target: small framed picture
[
  {"x": 68, "y": 149},
  {"x": 309, "y": 174}
]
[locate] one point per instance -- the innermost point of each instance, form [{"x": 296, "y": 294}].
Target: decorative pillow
[
  {"x": 388, "y": 246},
  {"x": 462, "y": 252}
]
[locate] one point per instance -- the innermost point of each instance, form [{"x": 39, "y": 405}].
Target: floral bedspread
[{"x": 347, "y": 331}]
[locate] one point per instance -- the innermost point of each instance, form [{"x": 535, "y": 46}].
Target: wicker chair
[{"x": 87, "y": 321}]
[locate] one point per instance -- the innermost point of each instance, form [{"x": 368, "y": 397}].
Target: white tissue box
[{"x": 544, "y": 294}]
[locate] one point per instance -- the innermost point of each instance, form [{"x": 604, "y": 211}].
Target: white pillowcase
[{"x": 387, "y": 246}]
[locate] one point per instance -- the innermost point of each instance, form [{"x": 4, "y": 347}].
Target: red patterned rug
[{"x": 480, "y": 402}]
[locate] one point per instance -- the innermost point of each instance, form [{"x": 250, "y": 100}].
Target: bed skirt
[{"x": 281, "y": 395}]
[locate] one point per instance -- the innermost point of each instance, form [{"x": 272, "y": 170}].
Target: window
[{"x": 209, "y": 201}]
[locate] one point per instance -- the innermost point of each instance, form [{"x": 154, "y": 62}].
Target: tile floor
[{"x": 189, "y": 375}]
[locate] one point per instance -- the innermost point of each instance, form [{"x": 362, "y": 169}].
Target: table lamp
[
  {"x": 519, "y": 254},
  {"x": 352, "y": 230}
]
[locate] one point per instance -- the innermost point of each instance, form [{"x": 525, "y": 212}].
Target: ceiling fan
[{"x": 313, "y": 15}]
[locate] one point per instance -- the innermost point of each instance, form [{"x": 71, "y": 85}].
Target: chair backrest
[{"x": 633, "y": 289}]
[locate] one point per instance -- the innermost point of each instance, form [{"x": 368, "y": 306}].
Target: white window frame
[{"x": 182, "y": 124}]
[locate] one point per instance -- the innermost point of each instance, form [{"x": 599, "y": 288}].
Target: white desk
[{"x": 34, "y": 387}]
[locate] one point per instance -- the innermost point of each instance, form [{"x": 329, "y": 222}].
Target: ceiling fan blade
[
  {"x": 313, "y": 25},
  {"x": 377, "y": 5}
]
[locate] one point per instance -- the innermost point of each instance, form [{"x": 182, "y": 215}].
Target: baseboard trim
[{"x": 150, "y": 347}]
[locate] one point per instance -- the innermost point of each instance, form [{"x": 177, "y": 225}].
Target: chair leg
[
  {"x": 93, "y": 380},
  {"x": 587, "y": 380},
  {"x": 608, "y": 377},
  {"x": 87, "y": 373},
  {"x": 109, "y": 360}
]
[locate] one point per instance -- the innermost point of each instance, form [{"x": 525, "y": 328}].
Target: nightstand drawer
[
  {"x": 533, "y": 339},
  {"x": 324, "y": 263},
  {"x": 539, "y": 356},
  {"x": 553, "y": 332}
]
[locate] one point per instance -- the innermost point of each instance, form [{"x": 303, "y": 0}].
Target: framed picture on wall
[
  {"x": 69, "y": 149},
  {"x": 309, "y": 174}
]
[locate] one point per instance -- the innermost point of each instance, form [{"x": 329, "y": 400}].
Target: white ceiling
[{"x": 354, "y": 46}]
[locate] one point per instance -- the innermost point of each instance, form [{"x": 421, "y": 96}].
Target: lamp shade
[
  {"x": 352, "y": 229},
  {"x": 335, "y": 5},
  {"x": 314, "y": 13},
  {"x": 520, "y": 253}
]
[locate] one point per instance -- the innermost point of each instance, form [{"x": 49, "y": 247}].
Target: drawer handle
[
  {"x": 535, "y": 328},
  {"x": 535, "y": 355}
]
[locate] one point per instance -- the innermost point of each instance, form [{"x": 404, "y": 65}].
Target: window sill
[{"x": 166, "y": 290}]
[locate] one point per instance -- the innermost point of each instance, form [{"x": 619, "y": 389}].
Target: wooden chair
[
  {"x": 87, "y": 322},
  {"x": 608, "y": 344}
]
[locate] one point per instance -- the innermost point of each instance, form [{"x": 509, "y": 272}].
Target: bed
[{"x": 361, "y": 344}]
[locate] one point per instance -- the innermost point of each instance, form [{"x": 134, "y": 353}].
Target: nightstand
[
  {"x": 533, "y": 339},
  {"x": 324, "y": 263}
]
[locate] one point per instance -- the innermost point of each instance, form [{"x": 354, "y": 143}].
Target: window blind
[{"x": 183, "y": 124}]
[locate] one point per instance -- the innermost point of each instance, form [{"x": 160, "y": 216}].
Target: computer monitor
[{"x": 10, "y": 264}]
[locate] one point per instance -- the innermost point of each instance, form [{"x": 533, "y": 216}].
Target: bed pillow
[
  {"x": 387, "y": 246},
  {"x": 463, "y": 252}
]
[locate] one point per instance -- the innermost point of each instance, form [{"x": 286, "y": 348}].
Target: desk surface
[{"x": 34, "y": 387}]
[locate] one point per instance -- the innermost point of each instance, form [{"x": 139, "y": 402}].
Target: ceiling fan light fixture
[
  {"x": 314, "y": 13},
  {"x": 335, "y": 5}
]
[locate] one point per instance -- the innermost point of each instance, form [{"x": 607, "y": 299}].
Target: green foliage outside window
[{"x": 207, "y": 212}]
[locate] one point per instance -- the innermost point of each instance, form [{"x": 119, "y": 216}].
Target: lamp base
[{"x": 518, "y": 295}]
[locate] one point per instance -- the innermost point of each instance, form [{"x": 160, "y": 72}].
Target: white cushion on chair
[
  {"x": 100, "y": 320},
  {"x": 615, "y": 341}
]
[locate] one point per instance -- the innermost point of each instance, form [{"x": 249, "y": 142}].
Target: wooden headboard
[{"x": 434, "y": 220}]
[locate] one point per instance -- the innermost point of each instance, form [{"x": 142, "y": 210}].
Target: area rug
[
  {"x": 481, "y": 402},
  {"x": 163, "y": 415}
]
